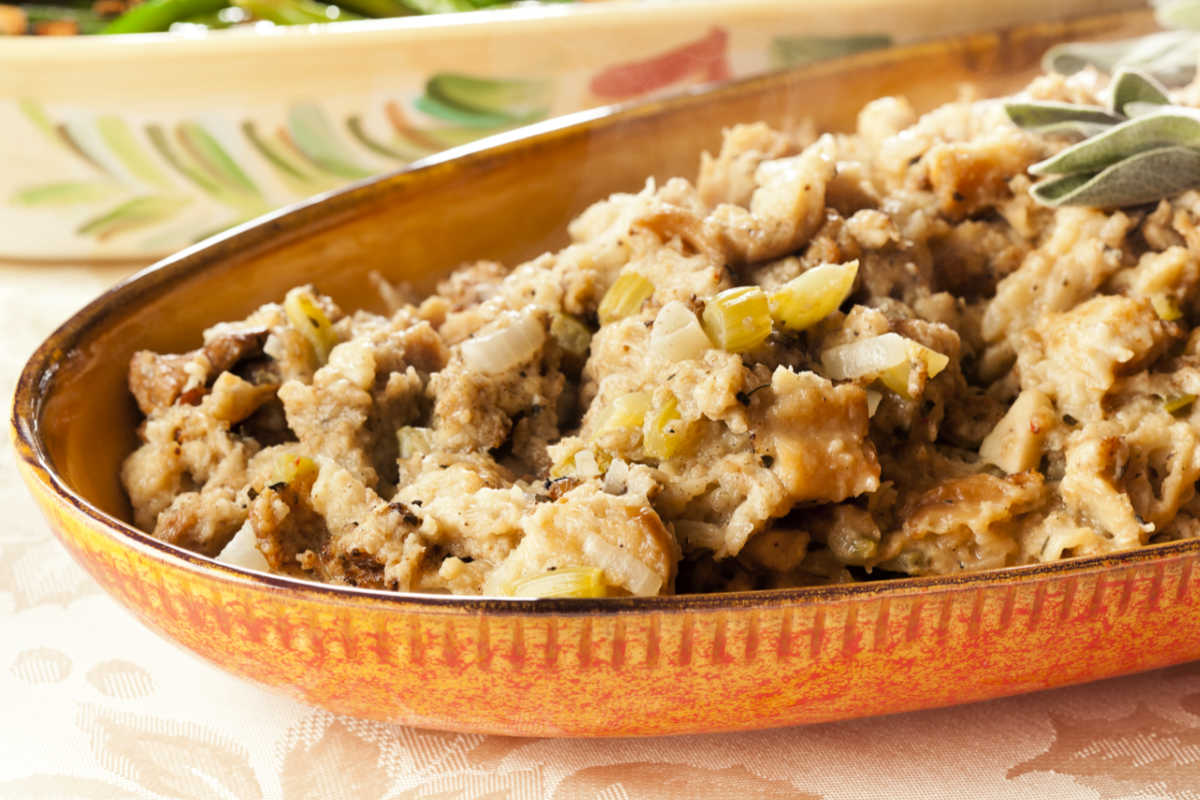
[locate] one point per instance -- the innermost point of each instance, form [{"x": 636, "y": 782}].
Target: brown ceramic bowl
[{"x": 582, "y": 667}]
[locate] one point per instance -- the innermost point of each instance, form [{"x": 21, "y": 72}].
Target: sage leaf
[
  {"x": 1132, "y": 87},
  {"x": 1052, "y": 191},
  {"x": 1143, "y": 178},
  {"x": 1140, "y": 109},
  {"x": 1164, "y": 128},
  {"x": 1054, "y": 117},
  {"x": 1169, "y": 56}
]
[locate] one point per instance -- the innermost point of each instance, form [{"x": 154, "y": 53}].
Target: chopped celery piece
[
  {"x": 677, "y": 335},
  {"x": 290, "y": 468},
  {"x": 294, "y": 12},
  {"x": 624, "y": 297},
  {"x": 582, "y": 463},
  {"x": 738, "y": 319},
  {"x": 806, "y": 300},
  {"x": 851, "y": 546},
  {"x": 666, "y": 432},
  {"x": 242, "y": 551},
  {"x": 1166, "y": 307},
  {"x": 569, "y": 582},
  {"x": 414, "y": 441},
  {"x": 1178, "y": 402},
  {"x": 627, "y": 412},
  {"x": 891, "y": 358},
  {"x": 571, "y": 334},
  {"x": 307, "y": 317}
]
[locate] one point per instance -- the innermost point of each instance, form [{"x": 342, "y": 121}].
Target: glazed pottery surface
[{"x": 634, "y": 666}]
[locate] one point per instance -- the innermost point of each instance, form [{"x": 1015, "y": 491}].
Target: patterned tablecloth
[{"x": 93, "y": 706}]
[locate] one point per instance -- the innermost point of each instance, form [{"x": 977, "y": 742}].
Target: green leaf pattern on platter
[
  {"x": 134, "y": 214},
  {"x": 795, "y": 51},
  {"x": 64, "y": 193},
  {"x": 150, "y": 172}
]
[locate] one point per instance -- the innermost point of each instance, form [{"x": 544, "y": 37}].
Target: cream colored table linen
[{"x": 94, "y": 706}]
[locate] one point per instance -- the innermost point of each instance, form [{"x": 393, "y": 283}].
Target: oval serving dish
[
  {"x": 635, "y": 666},
  {"x": 133, "y": 146}
]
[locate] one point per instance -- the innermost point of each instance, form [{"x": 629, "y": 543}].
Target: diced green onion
[
  {"x": 414, "y": 441},
  {"x": 1178, "y": 402},
  {"x": 677, "y": 335},
  {"x": 569, "y": 582},
  {"x": 738, "y": 319},
  {"x": 1166, "y": 307},
  {"x": 890, "y": 358},
  {"x": 571, "y": 334},
  {"x": 806, "y": 300},
  {"x": 624, "y": 297},
  {"x": 628, "y": 411},
  {"x": 307, "y": 317},
  {"x": 666, "y": 432}
]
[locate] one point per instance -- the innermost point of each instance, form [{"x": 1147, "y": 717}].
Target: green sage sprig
[
  {"x": 1169, "y": 56},
  {"x": 1139, "y": 149}
]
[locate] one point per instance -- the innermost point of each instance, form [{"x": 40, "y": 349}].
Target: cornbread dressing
[{"x": 653, "y": 409}]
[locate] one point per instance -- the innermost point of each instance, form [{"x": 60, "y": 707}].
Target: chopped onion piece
[
  {"x": 242, "y": 551},
  {"x": 621, "y": 565},
  {"x": 890, "y": 358},
  {"x": 306, "y": 316},
  {"x": 582, "y": 463},
  {"x": 586, "y": 464},
  {"x": 677, "y": 335},
  {"x": 738, "y": 319},
  {"x": 624, "y": 297},
  {"x": 503, "y": 349},
  {"x": 806, "y": 300},
  {"x": 570, "y": 582},
  {"x": 874, "y": 398},
  {"x": 414, "y": 441}
]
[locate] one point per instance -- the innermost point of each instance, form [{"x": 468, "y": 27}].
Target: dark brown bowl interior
[{"x": 507, "y": 199}]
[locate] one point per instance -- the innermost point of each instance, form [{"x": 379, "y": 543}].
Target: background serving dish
[
  {"x": 132, "y": 147},
  {"x": 635, "y": 666}
]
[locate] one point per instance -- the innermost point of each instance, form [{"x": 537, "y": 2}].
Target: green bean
[
  {"x": 159, "y": 15},
  {"x": 215, "y": 20},
  {"x": 294, "y": 12},
  {"x": 377, "y": 8},
  {"x": 439, "y": 6},
  {"x": 86, "y": 20}
]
